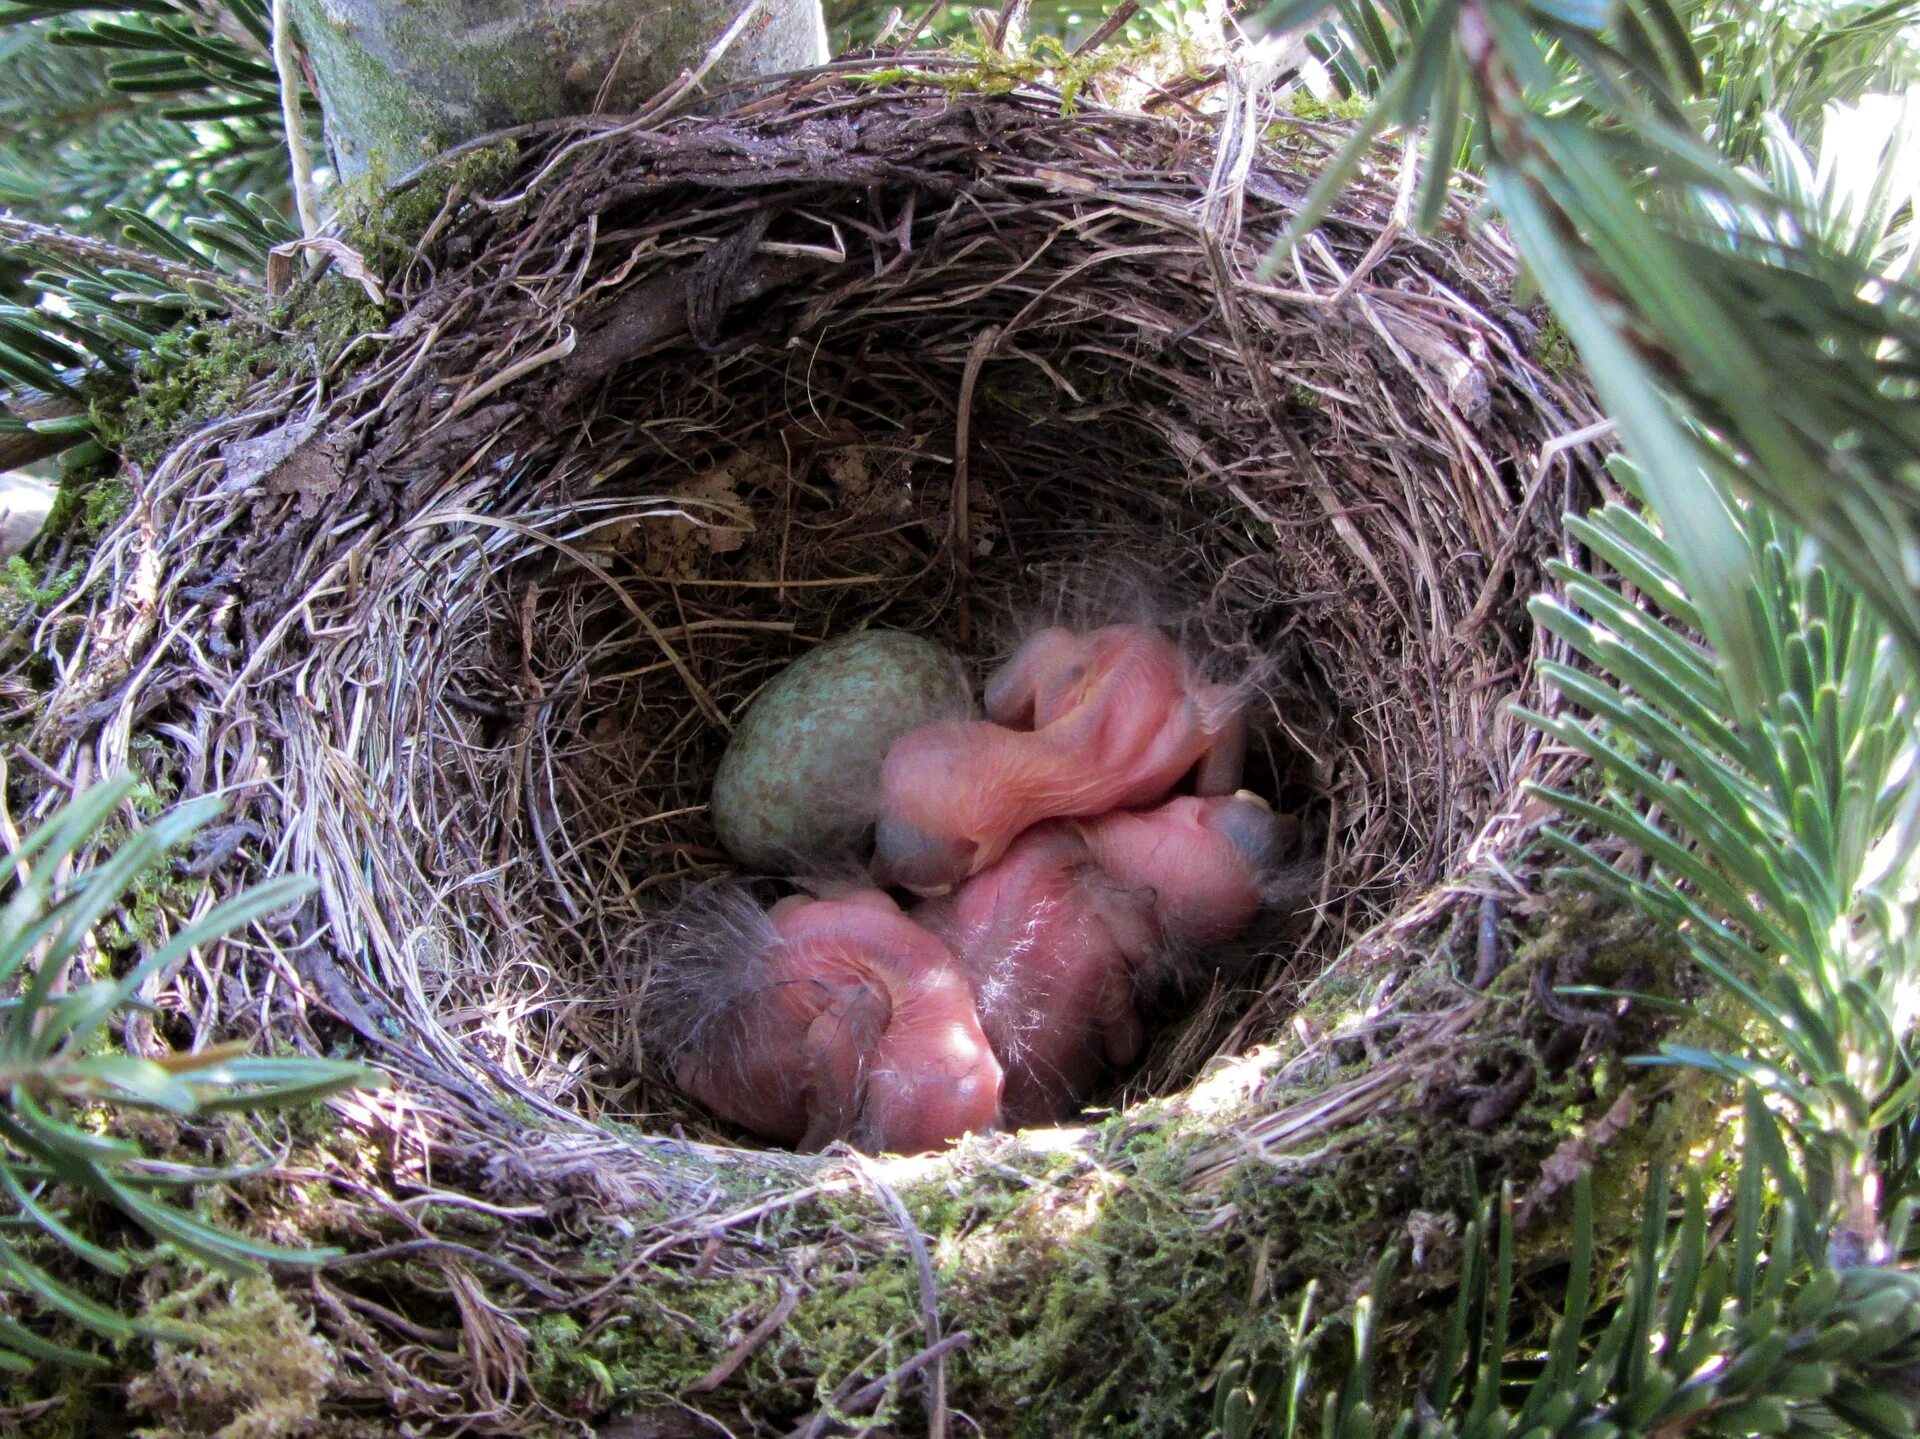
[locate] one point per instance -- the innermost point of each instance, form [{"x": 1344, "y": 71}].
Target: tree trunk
[{"x": 400, "y": 80}]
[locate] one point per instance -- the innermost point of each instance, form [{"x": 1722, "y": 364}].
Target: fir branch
[
  {"x": 1709, "y": 311},
  {"x": 26, "y": 409},
  {"x": 1721, "y": 1326},
  {"x": 63, "y": 246},
  {"x": 60, "y": 1071}
]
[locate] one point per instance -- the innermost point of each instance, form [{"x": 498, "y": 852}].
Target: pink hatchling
[
  {"x": 1064, "y": 933},
  {"x": 1078, "y": 725},
  {"x": 827, "y": 1019}
]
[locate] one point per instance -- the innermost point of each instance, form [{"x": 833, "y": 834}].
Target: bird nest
[{"x": 462, "y": 620}]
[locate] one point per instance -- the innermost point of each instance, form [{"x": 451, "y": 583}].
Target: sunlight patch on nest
[{"x": 1228, "y": 1084}]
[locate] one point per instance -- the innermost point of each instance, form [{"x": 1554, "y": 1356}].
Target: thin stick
[
  {"x": 1109, "y": 27},
  {"x": 647, "y": 116},
  {"x": 962, "y": 504},
  {"x": 933, "y": 1354},
  {"x": 1516, "y": 531},
  {"x": 1488, "y": 960},
  {"x": 1007, "y": 30},
  {"x": 613, "y": 66},
  {"x": 446, "y": 1246},
  {"x": 290, "y": 117},
  {"x": 823, "y": 1418},
  {"x": 919, "y": 27},
  {"x": 929, "y": 1299},
  {"x": 694, "y": 687},
  {"x": 763, "y": 1331},
  {"x": 659, "y": 109}
]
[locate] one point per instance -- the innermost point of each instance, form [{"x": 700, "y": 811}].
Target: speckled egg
[{"x": 796, "y": 788}]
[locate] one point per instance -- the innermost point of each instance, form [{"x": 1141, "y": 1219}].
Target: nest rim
[{"x": 1365, "y": 261}]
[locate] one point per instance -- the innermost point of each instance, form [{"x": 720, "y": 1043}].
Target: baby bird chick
[
  {"x": 1078, "y": 725},
  {"x": 1045, "y": 938},
  {"x": 1065, "y": 932},
  {"x": 1211, "y": 863},
  {"x": 827, "y": 1019}
]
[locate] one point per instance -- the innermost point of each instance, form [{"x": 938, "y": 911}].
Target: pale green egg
[{"x": 796, "y": 789}]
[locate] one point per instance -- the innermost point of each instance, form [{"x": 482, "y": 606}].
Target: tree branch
[{"x": 79, "y": 249}]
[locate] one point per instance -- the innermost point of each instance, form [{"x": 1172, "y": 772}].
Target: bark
[
  {"x": 400, "y": 80},
  {"x": 23, "y": 447}
]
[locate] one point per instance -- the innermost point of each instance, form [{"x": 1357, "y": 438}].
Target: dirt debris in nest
[{"x": 715, "y": 513}]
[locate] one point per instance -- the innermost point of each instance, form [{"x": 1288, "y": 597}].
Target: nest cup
[{"x": 670, "y": 407}]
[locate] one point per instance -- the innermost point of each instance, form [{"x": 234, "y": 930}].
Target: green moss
[
  {"x": 1097, "y": 1305},
  {"x": 1122, "y": 1264},
  {"x": 1046, "y": 61},
  {"x": 22, "y": 591},
  {"x": 1097, "y": 1291},
  {"x": 1099, "y": 1300},
  {"x": 188, "y": 375},
  {"x": 64, "y": 1404},
  {"x": 225, "y": 1357},
  {"x": 1584, "y": 936},
  {"x": 90, "y": 501},
  {"x": 200, "y": 374},
  {"x": 248, "y": 1366},
  {"x": 143, "y": 920},
  {"x": 159, "y": 785},
  {"x": 1101, "y": 1292},
  {"x": 666, "y": 1329},
  {"x": 385, "y": 226},
  {"x": 1304, "y": 105},
  {"x": 645, "y": 1347},
  {"x": 102, "y": 504},
  {"x": 1553, "y": 350}
]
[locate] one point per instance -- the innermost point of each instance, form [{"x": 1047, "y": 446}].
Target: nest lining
[{"x": 684, "y": 402}]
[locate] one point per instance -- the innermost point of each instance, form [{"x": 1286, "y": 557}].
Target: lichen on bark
[{"x": 399, "y": 82}]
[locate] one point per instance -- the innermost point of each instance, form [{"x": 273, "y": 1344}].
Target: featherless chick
[
  {"x": 1081, "y": 919},
  {"x": 825, "y": 1019},
  {"x": 1078, "y": 724}
]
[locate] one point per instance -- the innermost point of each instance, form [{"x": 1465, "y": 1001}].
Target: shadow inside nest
[{"x": 679, "y": 405}]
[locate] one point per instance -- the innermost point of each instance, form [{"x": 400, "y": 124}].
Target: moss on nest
[
  {"x": 202, "y": 373},
  {"x": 384, "y": 221},
  {"x": 249, "y": 1365},
  {"x": 88, "y": 505},
  {"x": 1097, "y": 1291}
]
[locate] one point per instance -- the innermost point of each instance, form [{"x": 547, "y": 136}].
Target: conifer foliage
[
  {"x": 67, "y": 1081},
  {"x": 143, "y": 177}
]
